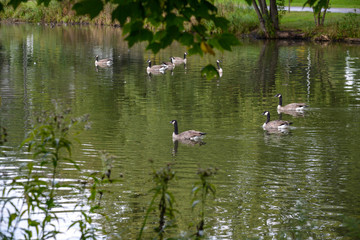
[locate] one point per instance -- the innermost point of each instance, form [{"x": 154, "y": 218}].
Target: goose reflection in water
[
  {"x": 292, "y": 113},
  {"x": 187, "y": 142}
]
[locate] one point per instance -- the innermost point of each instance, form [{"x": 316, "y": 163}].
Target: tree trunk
[
  {"x": 261, "y": 18},
  {"x": 318, "y": 18},
  {"x": 289, "y": 5},
  {"x": 274, "y": 14},
  {"x": 325, "y": 9},
  {"x": 263, "y": 7}
]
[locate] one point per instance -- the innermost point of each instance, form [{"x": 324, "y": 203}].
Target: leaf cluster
[
  {"x": 317, "y": 5},
  {"x": 203, "y": 188},
  {"x": 166, "y": 200}
]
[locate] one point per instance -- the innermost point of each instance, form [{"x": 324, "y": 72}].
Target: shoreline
[
  {"x": 301, "y": 36},
  {"x": 296, "y": 34}
]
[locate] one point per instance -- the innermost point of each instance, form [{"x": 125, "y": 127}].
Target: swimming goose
[
  {"x": 178, "y": 60},
  {"x": 290, "y": 107},
  {"x": 171, "y": 64},
  {"x": 187, "y": 135},
  {"x": 279, "y": 124},
  {"x": 219, "y": 69},
  {"x": 156, "y": 68},
  {"x": 106, "y": 62}
]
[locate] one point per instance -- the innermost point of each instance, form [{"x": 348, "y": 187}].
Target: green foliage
[
  {"x": 317, "y": 5},
  {"x": 166, "y": 208},
  {"x": 49, "y": 142},
  {"x": 209, "y": 71},
  {"x": 348, "y": 26},
  {"x": 170, "y": 22},
  {"x": 203, "y": 188}
]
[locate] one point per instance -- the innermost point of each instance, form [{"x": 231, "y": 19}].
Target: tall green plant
[
  {"x": 166, "y": 202},
  {"x": 3, "y": 135},
  {"x": 49, "y": 142},
  {"x": 200, "y": 192}
]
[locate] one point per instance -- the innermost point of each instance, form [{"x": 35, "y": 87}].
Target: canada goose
[
  {"x": 279, "y": 124},
  {"x": 178, "y": 60},
  {"x": 156, "y": 68},
  {"x": 190, "y": 134},
  {"x": 219, "y": 69},
  {"x": 290, "y": 107},
  {"x": 171, "y": 64},
  {"x": 102, "y": 62}
]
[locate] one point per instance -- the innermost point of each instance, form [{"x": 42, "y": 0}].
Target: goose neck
[
  {"x": 267, "y": 118},
  {"x": 176, "y": 132},
  {"x": 280, "y": 101}
]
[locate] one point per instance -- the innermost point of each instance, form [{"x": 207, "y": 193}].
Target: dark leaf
[
  {"x": 120, "y": 14},
  {"x": 249, "y": 2},
  {"x": 15, "y": 3},
  {"x": 202, "y": 11},
  {"x": 186, "y": 39},
  {"x": 209, "y": 72},
  {"x": 195, "y": 49},
  {"x": 46, "y": 2},
  {"x": 139, "y": 36},
  {"x": 89, "y": 7},
  {"x": 221, "y": 22},
  {"x": 159, "y": 35},
  {"x": 227, "y": 40}
]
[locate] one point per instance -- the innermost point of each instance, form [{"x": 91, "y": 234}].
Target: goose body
[
  {"x": 275, "y": 124},
  {"x": 178, "y": 60},
  {"x": 289, "y": 107},
  {"x": 171, "y": 64},
  {"x": 219, "y": 69},
  {"x": 156, "y": 68},
  {"x": 106, "y": 62},
  {"x": 187, "y": 135}
]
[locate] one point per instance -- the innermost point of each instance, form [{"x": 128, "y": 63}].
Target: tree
[
  {"x": 269, "y": 21},
  {"x": 317, "y": 6}
]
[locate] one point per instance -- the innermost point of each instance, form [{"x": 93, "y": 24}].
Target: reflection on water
[{"x": 270, "y": 185}]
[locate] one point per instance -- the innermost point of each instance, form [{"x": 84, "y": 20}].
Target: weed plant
[
  {"x": 3, "y": 135},
  {"x": 29, "y": 200},
  {"x": 166, "y": 201},
  {"x": 200, "y": 192}
]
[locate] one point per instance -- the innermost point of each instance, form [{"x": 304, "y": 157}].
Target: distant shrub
[{"x": 349, "y": 26}]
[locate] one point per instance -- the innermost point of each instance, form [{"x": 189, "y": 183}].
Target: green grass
[
  {"x": 300, "y": 3},
  {"x": 337, "y": 25},
  {"x": 301, "y": 20},
  {"x": 333, "y": 3}
]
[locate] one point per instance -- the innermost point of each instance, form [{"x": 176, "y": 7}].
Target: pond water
[{"x": 301, "y": 183}]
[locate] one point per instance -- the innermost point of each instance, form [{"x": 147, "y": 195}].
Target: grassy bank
[
  {"x": 337, "y": 25},
  {"x": 56, "y": 12},
  {"x": 333, "y": 3},
  {"x": 300, "y": 3},
  {"x": 243, "y": 20}
]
